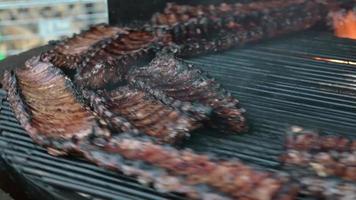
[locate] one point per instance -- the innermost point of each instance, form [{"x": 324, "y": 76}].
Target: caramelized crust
[
  {"x": 188, "y": 89},
  {"x": 68, "y": 53},
  {"x": 46, "y": 104},
  {"x": 108, "y": 62}
]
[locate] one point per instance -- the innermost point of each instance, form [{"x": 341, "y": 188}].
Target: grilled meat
[
  {"x": 119, "y": 153},
  {"x": 68, "y": 53},
  {"x": 139, "y": 111},
  {"x": 327, "y": 189},
  {"x": 188, "y": 89},
  {"x": 109, "y": 61},
  {"x": 193, "y": 30},
  {"x": 232, "y": 178},
  {"x": 202, "y": 29},
  {"x": 324, "y": 166},
  {"x": 187, "y": 21},
  {"x": 308, "y": 140},
  {"x": 47, "y": 106},
  {"x": 341, "y": 164},
  {"x": 323, "y": 155},
  {"x": 170, "y": 99},
  {"x": 37, "y": 91},
  {"x": 319, "y": 187},
  {"x": 115, "y": 121}
]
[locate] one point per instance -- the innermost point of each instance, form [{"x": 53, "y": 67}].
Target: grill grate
[{"x": 278, "y": 83}]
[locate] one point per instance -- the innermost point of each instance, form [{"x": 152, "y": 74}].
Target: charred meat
[
  {"x": 188, "y": 89},
  {"x": 109, "y": 61},
  {"x": 326, "y": 188},
  {"x": 37, "y": 91},
  {"x": 324, "y": 164},
  {"x": 127, "y": 109},
  {"x": 47, "y": 106},
  {"x": 68, "y": 53},
  {"x": 323, "y": 155},
  {"x": 308, "y": 140},
  {"x": 201, "y": 29},
  {"x": 193, "y": 30},
  {"x": 229, "y": 179},
  {"x": 188, "y": 21},
  {"x": 51, "y": 111}
]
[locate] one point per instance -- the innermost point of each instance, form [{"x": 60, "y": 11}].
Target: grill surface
[{"x": 278, "y": 83}]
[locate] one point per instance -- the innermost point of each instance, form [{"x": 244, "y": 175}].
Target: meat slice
[
  {"x": 109, "y": 61},
  {"x": 324, "y": 165},
  {"x": 47, "y": 106},
  {"x": 68, "y": 53},
  {"x": 326, "y": 189},
  {"x": 301, "y": 139},
  {"x": 127, "y": 109},
  {"x": 188, "y": 20},
  {"x": 325, "y": 156},
  {"x": 188, "y": 89},
  {"x": 231, "y": 179},
  {"x": 209, "y": 28}
]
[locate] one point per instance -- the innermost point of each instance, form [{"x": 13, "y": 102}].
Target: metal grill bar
[{"x": 278, "y": 82}]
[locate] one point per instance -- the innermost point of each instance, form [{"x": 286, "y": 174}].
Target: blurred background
[{"x": 25, "y": 24}]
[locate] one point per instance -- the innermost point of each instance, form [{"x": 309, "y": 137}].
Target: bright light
[
  {"x": 345, "y": 24},
  {"x": 347, "y": 62}
]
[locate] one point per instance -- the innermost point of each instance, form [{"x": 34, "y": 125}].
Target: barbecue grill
[{"x": 306, "y": 78}]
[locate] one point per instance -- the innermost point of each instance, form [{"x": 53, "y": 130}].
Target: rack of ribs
[
  {"x": 108, "y": 62},
  {"x": 210, "y": 28},
  {"x": 187, "y": 88},
  {"x": 128, "y": 109},
  {"x": 67, "y": 54}
]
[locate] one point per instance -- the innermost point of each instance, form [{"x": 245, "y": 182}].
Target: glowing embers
[
  {"x": 344, "y": 24},
  {"x": 338, "y": 61}
]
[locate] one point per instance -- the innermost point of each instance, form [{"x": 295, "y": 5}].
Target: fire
[
  {"x": 345, "y": 24},
  {"x": 347, "y": 62}
]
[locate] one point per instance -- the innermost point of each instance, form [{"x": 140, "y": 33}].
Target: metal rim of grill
[{"x": 278, "y": 82}]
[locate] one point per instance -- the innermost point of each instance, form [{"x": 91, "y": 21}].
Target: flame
[
  {"x": 345, "y": 24},
  {"x": 338, "y": 61}
]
